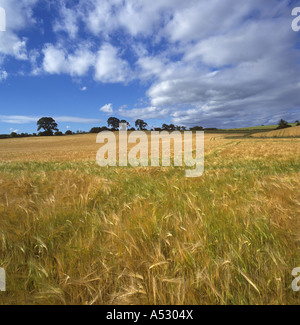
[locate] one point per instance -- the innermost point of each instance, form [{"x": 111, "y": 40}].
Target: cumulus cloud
[
  {"x": 54, "y": 60},
  {"x": 212, "y": 63},
  {"x": 67, "y": 21},
  {"x": 110, "y": 67},
  {"x": 3, "y": 75},
  {"x": 107, "y": 64},
  {"x": 19, "y": 16},
  {"x": 108, "y": 108},
  {"x": 57, "y": 60},
  {"x": 144, "y": 113}
]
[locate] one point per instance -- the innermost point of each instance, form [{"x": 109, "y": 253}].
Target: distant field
[
  {"x": 74, "y": 233},
  {"x": 288, "y": 132},
  {"x": 262, "y": 127}
]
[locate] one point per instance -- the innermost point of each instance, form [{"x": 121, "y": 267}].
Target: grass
[{"x": 74, "y": 233}]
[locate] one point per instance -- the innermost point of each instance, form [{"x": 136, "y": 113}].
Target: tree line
[{"x": 46, "y": 126}]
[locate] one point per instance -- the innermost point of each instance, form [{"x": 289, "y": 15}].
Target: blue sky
[{"x": 217, "y": 63}]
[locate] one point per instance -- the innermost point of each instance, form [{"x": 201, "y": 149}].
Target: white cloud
[
  {"x": 110, "y": 67},
  {"x": 144, "y": 113},
  {"x": 14, "y": 130},
  {"x": 17, "y": 119},
  {"x": 213, "y": 62},
  {"x": 84, "y": 88},
  {"x": 80, "y": 61},
  {"x": 133, "y": 16},
  {"x": 151, "y": 66},
  {"x": 57, "y": 60},
  {"x": 245, "y": 44},
  {"x": 108, "y": 108},
  {"x": 11, "y": 44},
  {"x": 72, "y": 119},
  {"x": 67, "y": 21},
  {"x": 3, "y": 75},
  {"x": 18, "y": 17},
  {"x": 21, "y": 119},
  {"x": 98, "y": 15}
]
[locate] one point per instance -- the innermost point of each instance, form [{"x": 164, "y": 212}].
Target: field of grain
[
  {"x": 72, "y": 232},
  {"x": 288, "y": 132},
  {"x": 261, "y": 127}
]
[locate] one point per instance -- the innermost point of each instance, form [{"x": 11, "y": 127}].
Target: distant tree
[
  {"x": 283, "y": 124},
  {"x": 297, "y": 123},
  {"x": 24, "y": 135},
  {"x": 48, "y": 124},
  {"x": 172, "y": 127},
  {"x": 45, "y": 133},
  {"x": 196, "y": 128},
  {"x": 113, "y": 122},
  {"x": 140, "y": 124},
  {"x": 13, "y": 134},
  {"x": 4, "y": 136},
  {"x": 98, "y": 129},
  {"x": 125, "y": 122},
  {"x": 58, "y": 133},
  {"x": 68, "y": 132}
]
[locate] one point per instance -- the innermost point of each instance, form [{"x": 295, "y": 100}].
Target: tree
[
  {"x": 283, "y": 124},
  {"x": 140, "y": 124},
  {"x": 197, "y": 128},
  {"x": 98, "y": 129},
  {"x": 68, "y": 132},
  {"x": 297, "y": 123},
  {"x": 125, "y": 122},
  {"x": 48, "y": 124},
  {"x": 172, "y": 127},
  {"x": 113, "y": 122}
]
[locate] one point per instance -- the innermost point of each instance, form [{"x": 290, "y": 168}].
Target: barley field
[
  {"x": 288, "y": 132},
  {"x": 72, "y": 232}
]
